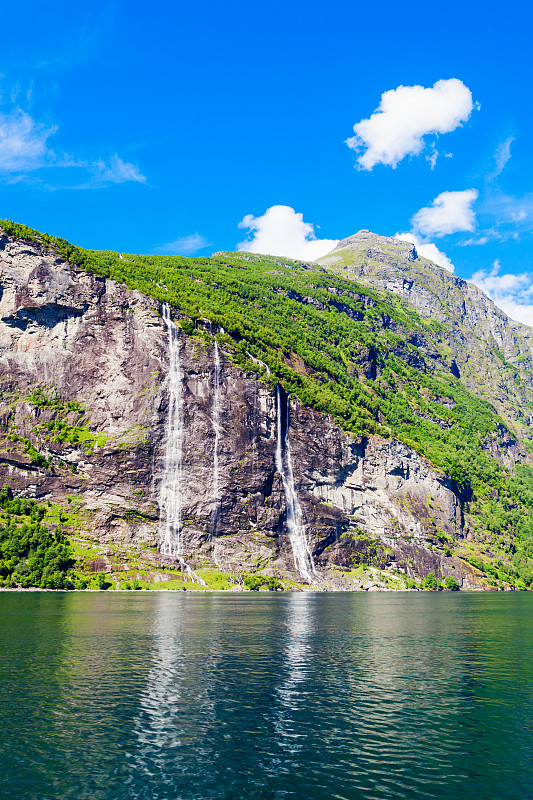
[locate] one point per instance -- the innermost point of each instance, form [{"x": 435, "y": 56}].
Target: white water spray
[
  {"x": 170, "y": 491},
  {"x": 255, "y": 429},
  {"x": 216, "y": 427},
  {"x": 170, "y": 523},
  {"x": 216, "y": 422},
  {"x": 303, "y": 558}
]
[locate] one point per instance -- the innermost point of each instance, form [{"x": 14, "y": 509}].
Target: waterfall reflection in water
[
  {"x": 295, "y": 670},
  {"x": 176, "y": 706}
]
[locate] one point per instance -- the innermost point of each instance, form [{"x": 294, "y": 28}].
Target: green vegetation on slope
[
  {"x": 41, "y": 547},
  {"x": 359, "y": 354},
  {"x": 59, "y": 429},
  {"x": 31, "y": 554}
]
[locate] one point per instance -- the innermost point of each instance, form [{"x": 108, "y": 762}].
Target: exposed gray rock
[{"x": 89, "y": 340}]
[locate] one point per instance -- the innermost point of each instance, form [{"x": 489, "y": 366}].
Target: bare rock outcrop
[{"x": 84, "y": 401}]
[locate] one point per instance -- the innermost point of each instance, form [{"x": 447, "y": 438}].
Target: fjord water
[{"x": 166, "y": 696}]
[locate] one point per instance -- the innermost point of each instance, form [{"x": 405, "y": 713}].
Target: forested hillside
[{"x": 360, "y": 354}]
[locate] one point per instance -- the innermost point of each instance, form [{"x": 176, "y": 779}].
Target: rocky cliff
[
  {"x": 178, "y": 461},
  {"x": 84, "y": 404}
]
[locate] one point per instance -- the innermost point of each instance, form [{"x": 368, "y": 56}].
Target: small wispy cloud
[
  {"x": 114, "y": 171},
  {"x": 477, "y": 240},
  {"x": 510, "y": 210},
  {"x": 23, "y": 143},
  {"x": 431, "y": 158},
  {"x": 504, "y": 217},
  {"x": 25, "y": 155},
  {"x": 501, "y": 157},
  {"x": 184, "y": 246}
]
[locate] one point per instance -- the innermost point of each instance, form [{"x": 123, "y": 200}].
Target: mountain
[
  {"x": 493, "y": 354},
  {"x": 241, "y": 419}
]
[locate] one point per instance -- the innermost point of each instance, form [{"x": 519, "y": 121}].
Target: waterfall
[
  {"x": 170, "y": 524},
  {"x": 258, "y": 361},
  {"x": 303, "y": 558},
  {"x": 216, "y": 427},
  {"x": 170, "y": 491},
  {"x": 255, "y": 430}
]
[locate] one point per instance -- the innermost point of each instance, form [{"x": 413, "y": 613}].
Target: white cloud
[
  {"x": 282, "y": 232},
  {"x": 404, "y": 116},
  {"x": 449, "y": 212},
  {"x": 23, "y": 143},
  {"x": 427, "y": 250},
  {"x": 185, "y": 246},
  {"x": 512, "y": 293},
  {"x": 24, "y": 150}
]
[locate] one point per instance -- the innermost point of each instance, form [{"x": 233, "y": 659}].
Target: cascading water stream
[
  {"x": 258, "y": 361},
  {"x": 303, "y": 558},
  {"x": 170, "y": 524},
  {"x": 170, "y": 491},
  {"x": 216, "y": 428},
  {"x": 215, "y": 419},
  {"x": 255, "y": 431}
]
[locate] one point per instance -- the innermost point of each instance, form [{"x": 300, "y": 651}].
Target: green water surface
[{"x": 166, "y": 696}]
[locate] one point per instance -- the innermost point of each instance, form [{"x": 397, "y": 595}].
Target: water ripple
[{"x": 269, "y": 697}]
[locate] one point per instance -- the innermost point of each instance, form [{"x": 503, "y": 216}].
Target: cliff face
[
  {"x": 493, "y": 354},
  {"x": 87, "y": 389}
]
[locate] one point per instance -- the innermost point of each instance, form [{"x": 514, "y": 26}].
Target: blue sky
[{"x": 160, "y": 127}]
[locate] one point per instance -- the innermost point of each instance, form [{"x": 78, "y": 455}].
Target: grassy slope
[{"x": 341, "y": 348}]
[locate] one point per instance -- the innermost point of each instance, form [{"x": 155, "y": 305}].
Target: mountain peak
[
  {"x": 365, "y": 245},
  {"x": 385, "y": 262}
]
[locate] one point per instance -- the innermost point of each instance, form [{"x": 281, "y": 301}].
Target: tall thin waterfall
[
  {"x": 170, "y": 523},
  {"x": 303, "y": 558},
  {"x": 170, "y": 491},
  {"x": 216, "y": 427},
  {"x": 255, "y": 431}
]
